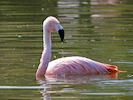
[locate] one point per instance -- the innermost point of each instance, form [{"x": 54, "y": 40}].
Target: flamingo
[{"x": 74, "y": 65}]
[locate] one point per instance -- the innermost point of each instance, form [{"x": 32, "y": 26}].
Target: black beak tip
[{"x": 61, "y": 34}]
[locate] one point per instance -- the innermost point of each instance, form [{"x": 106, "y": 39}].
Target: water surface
[{"x": 97, "y": 29}]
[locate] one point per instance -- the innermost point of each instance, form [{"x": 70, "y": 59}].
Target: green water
[{"x": 98, "y": 29}]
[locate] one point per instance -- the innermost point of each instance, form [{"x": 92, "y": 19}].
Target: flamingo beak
[
  {"x": 60, "y": 30},
  {"x": 61, "y": 34}
]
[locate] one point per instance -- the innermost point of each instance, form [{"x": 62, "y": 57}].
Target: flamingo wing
[{"x": 79, "y": 66}]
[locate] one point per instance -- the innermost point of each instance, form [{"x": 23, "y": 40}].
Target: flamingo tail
[{"x": 113, "y": 68}]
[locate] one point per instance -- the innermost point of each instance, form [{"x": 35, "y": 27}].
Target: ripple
[
  {"x": 110, "y": 93},
  {"x": 131, "y": 63},
  {"x": 23, "y": 87}
]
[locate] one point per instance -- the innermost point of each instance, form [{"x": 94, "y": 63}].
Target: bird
[{"x": 66, "y": 66}]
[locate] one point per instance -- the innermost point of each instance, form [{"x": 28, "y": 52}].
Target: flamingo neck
[{"x": 46, "y": 55}]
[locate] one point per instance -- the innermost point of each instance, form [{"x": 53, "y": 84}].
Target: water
[{"x": 97, "y": 29}]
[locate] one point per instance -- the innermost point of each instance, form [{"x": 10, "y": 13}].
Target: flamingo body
[
  {"x": 68, "y": 65},
  {"x": 79, "y": 66}
]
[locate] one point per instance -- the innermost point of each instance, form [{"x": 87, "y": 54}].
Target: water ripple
[
  {"x": 130, "y": 63},
  {"x": 23, "y": 87}
]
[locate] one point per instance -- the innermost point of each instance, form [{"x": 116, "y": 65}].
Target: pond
[{"x": 97, "y": 29}]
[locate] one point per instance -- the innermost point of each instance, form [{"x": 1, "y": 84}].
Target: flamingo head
[{"x": 51, "y": 24}]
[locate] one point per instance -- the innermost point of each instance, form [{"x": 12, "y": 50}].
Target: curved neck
[
  {"x": 46, "y": 55},
  {"x": 46, "y": 40}
]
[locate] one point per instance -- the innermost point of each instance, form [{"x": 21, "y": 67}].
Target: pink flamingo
[{"x": 74, "y": 65}]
